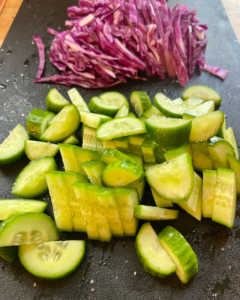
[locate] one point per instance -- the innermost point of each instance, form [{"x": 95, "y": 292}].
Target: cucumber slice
[
  {"x": 120, "y": 127},
  {"x": 131, "y": 114},
  {"x": 111, "y": 102},
  {"x": 12, "y": 148},
  {"x": 139, "y": 186},
  {"x": 193, "y": 205},
  {"x": 35, "y": 149},
  {"x": 73, "y": 156},
  {"x": 94, "y": 120},
  {"x": 201, "y": 109},
  {"x": 31, "y": 181},
  {"x": 159, "y": 152},
  {"x": 206, "y": 126},
  {"x": 136, "y": 142},
  {"x": 55, "y": 102},
  {"x": 72, "y": 139},
  {"x": 121, "y": 173},
  {"x": 160, "y": 202},
  {"x": 222, "y": 131},
  {"x": 94, "y": 171},
  {"x": 127, "y": 199},
  {"x": 11, "y": 207},
  {"x": 140, "y": 101},
  {"x": 170, "y": 154},
  {"x": 180, "y": 251},
  {"x": 209, "y": 187},
  {"x": 123, "y": 111},
  {"x": 152, "y": 213},
  {"x": 224, "y": 205},
  {"x": 37, "y": 122},
  {"x": 203, "y": 92},
  {"x": 77, "y": 100},
  {"x": 64, "y": 124},
  {"x": 89, "y": 140},
  {"x": 218, "y": 149},
  {"x": 148, "y": 150},
  {"x": 201, "y": 157},
  {"x": 113, "y": 155},
  {"x": 151, "y": 254},
  {"x": 152, "y": 111},
  {"x": 172, "y": 180},
  {"x": 146, "y": 166},
  {"x": 235, "y": 166},
  {"x": 230, "y": 137},
  {"x": 27, "y": 228},
  {"x": 137, "y": 158},
  {"x": 123, "y": 144},
  {"x": 52, "y": 260},
  {"x": 168, "y": 132},
  {"x": 10, "y": 254}
]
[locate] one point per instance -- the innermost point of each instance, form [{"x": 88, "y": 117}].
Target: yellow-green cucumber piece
[
  {"x": 209, "y": 187},
  {"x": 123, "y": 111},
  {"x": 148, "y": 150},
  {"x": 201, "y": 157},
  {"x": 36, "y": 149},
  {"x": 234, "y": 164},
  {"x": 113, "y": 155},
  {"x": 160, "y": 202},
  {"x": 77, "y": 100},
  {"x": 180, "y": 252},
  {"x": 152, "y": 111},
  {"x": 224, "y": 205},
  {"x": 230, "y": 137},
  {"x": 222, "y": 131},
  {"x": 10, "y": 253},
  {"x": 151, "y": 254},
  {"x": 94, "y": 120},
  {"x": 146, "y": 166},
  {"x": 12, "y": 148},
  {"x": 94, "y": 171},
  {"x": 123, "y": 144},
  {"x": 153, "y": 213},
  {"x": 170, "y": 154},
  {"x": 131, "y": 114},
  {"x": 159, "y": 152},
  {"x": 202, "y": 92},
  {"x": 113, "y": 100},
  {"x": 200, "y": 110},
  {"x": 140, "y": 102},
  {"x": 52, "y": 260},
  {"x": 172, "y": 180},
  {"x": 55, "y": 102},
  {"x": 89, "y": 140},
  {"x": 31, "y": 181},
  {"x": 72, "y": 139},
  {"x": 136, "y": 142},
  {"x": 137, "y": 158}
]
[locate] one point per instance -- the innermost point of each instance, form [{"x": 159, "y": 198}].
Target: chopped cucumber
[
  {"x": 200, "y": 110},
  {"x": 123, "y": 144},
  {"x": 139, "y": 186},
  {"x": 151, "y": 111},
  {"x": 230, "y": 137},
  {"x": 235, "y": 166},
  {"x": 123, "y": 111},
  {"x": 94, "y": 120},
  {"x": 140, "y": 102},
  {"x": 146, "y": 166},
  {"x": 112, "y": 102},
  {"x": 10, "y": 207},
  {"x": 168, "y": 132},
  {"x": 27, "y": 228},
  {"x": 170, "y": 154},
  {"x": 31, "y": 181},
  {"x": 180, "y": 252},
  {"x": 137, "y": 158},
  {"x": 203, "y": 92},
  {"x": 35, "y": 149},
  {"x": 152, "y": 213},
  {"x": 12, "y": 148},
  {"x": 112, "y": 155},
  {"x": 10, "y": 254},
  {"x": 151, "y": 254},
  {"x": 160, "y": 202},
  {"x": 94, "y": 171},
  {"x": 224, "y": 205},
  {"x": 55, "y": 102},
  {"x": 63, "y": 125},
  {"x": 136, "y": 142},
  {"x": 77, "y": 100},
  {"x": 206, "y": 126},
  {"x": 159, "y": 152},
  {"x": 52, "y": 260},
  {"x": 172, "y": 180},
  {"x": 148, "y": 150},
  {"x": 131, "y": 114},
  {"x": 142, "y": 118},
  {"x": 209, "y": 187},
  {"x": 119, "y": 127},
  {"x": 222, "y": 131},
  {"x": 72, "y": 139},
  {"x": 201, "y": 156},
  {"x": 89, "y": 140}
]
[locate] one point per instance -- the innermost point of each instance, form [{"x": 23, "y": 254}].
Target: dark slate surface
[{"x": 111, "y": 270}]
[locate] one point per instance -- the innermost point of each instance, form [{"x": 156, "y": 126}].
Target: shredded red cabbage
[
  {"x": 41, "y": 52},
  {"x": 221, "y": 73}
]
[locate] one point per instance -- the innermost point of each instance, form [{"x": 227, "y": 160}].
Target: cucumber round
[
  {"x": 172, "y": 180},
  {"x": 108, "y": 103},
  {"x": 209, "y": 187},
  {"x": 52, "y": 260},
  {"x": 35, "y": 149},
  {"x": 123, "y": 111},
  {"x": 235, "y": 166},
  {"x": 140, "y": 102},
  {"x": 152, "y": 213},
  {"x": 55, "y": 102},
  {"x": 31, "y": 181},
  {"x": 27, "y": 228},
  {"x": 12, "y": 148},
  {"x": 203, "y": 92},
  {"x": 77, "y": 100}
]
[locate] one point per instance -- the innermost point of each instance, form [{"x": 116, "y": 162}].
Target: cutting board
[{"x": 111, "y": 270}]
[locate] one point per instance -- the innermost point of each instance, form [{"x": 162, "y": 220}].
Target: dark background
[{"x": 108, "y": 271}]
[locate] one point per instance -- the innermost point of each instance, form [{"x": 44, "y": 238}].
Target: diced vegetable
[
  {"x": 136, "y": 143},
  {"x": 160, "y": 202},
  {"x": 55, "y": 102},
  {"x": 235, "y": 166},
  {"x": 230, "y": 137},
  {"x": 78, "y": 101},
  {"x": 201, "y": 156},
  {"x": 72, "y": 139},
  {"x": 140, "y": 102},
  {"x": 123, "y": 111},
  {"x": 94, "y": 171},
  {"x": 209, "y": 188},
  {"x": 35, "y": 149},
  {"x": 170, "y": 154},
  {"x": 203, "y": 92},
  {"x": 93, "y": 120},
  {"x": 152, "y": 213},
  {"x": 148, "y": 150}
]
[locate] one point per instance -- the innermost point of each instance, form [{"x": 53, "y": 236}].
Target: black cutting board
[{"x": 111, "y": 270}]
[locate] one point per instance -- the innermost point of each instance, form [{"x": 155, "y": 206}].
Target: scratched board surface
[{"x": 111, "y": 270}]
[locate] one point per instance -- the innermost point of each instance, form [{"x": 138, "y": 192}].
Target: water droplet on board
[
  {"x": 9, "y": 52},
  {"x": 2, "y": 86}
]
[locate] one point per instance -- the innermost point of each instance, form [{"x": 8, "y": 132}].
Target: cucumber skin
[
  {"x": 111, "y": 112},
  {"x": 235, "y": 166},
  {"x": 54, "y": 107}
]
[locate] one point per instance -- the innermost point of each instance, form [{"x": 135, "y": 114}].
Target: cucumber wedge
[
  {"x": 180, "y": 252},
  {"x": 151, "y": 254},
  {"x": 94, "y": 120},
  {"x": 230, "y": 137},
  {"x": 160, "y": 202},
  {"x": 113, "y": 155},
  {"x": 9, "y": 254},
  {"x": 72, "y": 139},
  {"x": 222, "y": 131},
  {"x": 140, "y": 102},
  {"x": 152, "y": 111},
  {"x": 152, "y": 213},
  {"x": 31, "y": 181},
  {"x": 12, "y": 148},
  {"x": 120, "y": 127},
  {"x": 131, "y": 114},
  {"x": 159, "y": 152},
  {"x": 111, "y": 102},
  {"x": 27, "y": 228},
  {"x": 139, "y": 186},
  {"x": 172, "y": 180},
  {"x": 146, "y": 166},
  {"x": 94, "y": 171},
  {"x": 201, "y": 109},
  {"x": 137, "y": 158},
  {"x": 55, "y": 102},
  {"x": 201, "y": 157},
  {"x": 148, "y": 150},
  {"x": 77, "y": 100},
  {"x": 123, "y": 111},
  {"x": 224, "y": 206},
  {"x": 209, "y": 187},
  {"x": 203, "y": 92},
  {"x": 170, "y": 154},
  {"x": 235, "y": 166},
  {"x": 35, "y": 149},
  {"x": 89, "y": 140},
  {"x": 123, "y": 144},
  {"x": 52, "y": 260},
  {"x": 136, "y": 143}
]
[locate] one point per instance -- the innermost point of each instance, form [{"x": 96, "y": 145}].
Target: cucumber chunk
[
  {"x": 120, "y": 127},
  {"x": 159, "y": 152},
  {"x": 151, "y": 254},
  {"x": 113, "y": 155},
  {"x": 160, "y": 202},
  {"x": 222, "y": 131},
  {"x": 139, "y": 186},
  {"x": 140, "y": 101},
  {"x": 224, "y": 205},
  {"x": 35, "y": 149},
  {"x": 152, "y": 213},
  {"x": 12, "y": 148},
  {"x": 146, "y": 166},
  {"x": 72, "y": 139},
  {"x": 200, "y": 110},
  {"x": 123, "y": 111},
  {"x": 9, "y": 254},
  {"x": 172, "y": 180},
  {"x": 201, "y": 157},
  {"x": 77, "y": 100},
  {"x": 206, "y": 126},
  {"x": 89, "y": 140},
  {"x": 230, "y": 137},
  {"x": 142, "y": 118},
  {"x": 52, "y": 260},
  {"x": 170, "y": 154},
  {"x": 55, "y": 102},
  {"x": 136, "y": 142},
  {"x": 11, "y": 207},
  {"x": 180, "y": 252},
  {"x": 131, "y": 114},
  {"x": 235, "y": 166},
  {"x": 123, "y": 144},
  {"x": 27, "y": 228},
  {"x": 31, "y": 181},
  {"x": 148, "y": 150},
  {"x": 113, "y": 101},
  {"x": 209, "y": 187},
  {"x": 152, "y": 111},
  {"x": 137, "y": 158},
  {"x": 94, "y": 171},
  {"x": 218, "y": 149},
  {"x": 63, "y": 125},
  {"x": 203, "y": 92},
  {"x": 168, "y": 132},
  {"x": 94, "y": 120}
]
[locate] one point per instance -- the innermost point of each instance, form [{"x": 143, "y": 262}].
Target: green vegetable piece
[
  {"x": 160, "y": 202},
  {"x": 235, "y": 166},
  {"x": 35, "y": 149},
  {"x": 94, "y": 171},
  {"x": 230, "y": 137},
  {"x": 112, "y": 155},
  {"x": 152, "y": 213},
  {"x": 110, "y": 103},
  {"x": 170, "y": 154},
  {"x": 136, "y": 143},
  {"x": 201, "y": 157},
  {"x": 209, "y": 187},
  {"x": 72, "y": 139},
  {"x": 77, "y": 100},
  {"x": 140, "y": 102},
  {"x": 55, "y": 102},
  {"x": 123, "y": 111},
  {"x": 123, "y": 144},
  {"x": 152, "y": 111},
  {"x": 148, "y": 150}
]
